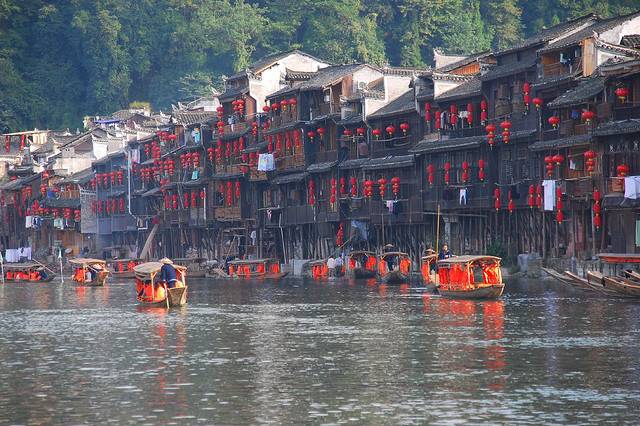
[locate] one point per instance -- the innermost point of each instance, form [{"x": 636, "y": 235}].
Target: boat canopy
[
  {"x": 394, "y": 254},
  {"x": 457, "y": 260},
  {"x": 619, "y": 257},
  {"x": 150, "y": 269},
  {"x": 87, "y": 261},
  {"x": 250, "y": 262},
  {"x": 361, "y": 253},
  {"x": 23, "y": 266}
]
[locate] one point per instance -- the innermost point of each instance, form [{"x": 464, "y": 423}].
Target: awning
[
  {"x": 292, "y": 178},
  {"x": 356, "y": 163},
  {"x": 321, "y": 167},
  {"x": 390, "y": 162},
  {"x": 618, "y": 128}
]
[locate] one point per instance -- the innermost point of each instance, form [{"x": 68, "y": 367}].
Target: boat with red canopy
[
  {"x": 89, "y": 272},
  {"x": 470, "y": 277},
  {"x": 394, "y": 267},
  {"x": 150, "y": 291},
  {"x": 427, "y": 270},
  {"x": 258, "y": 268},
  {"x": 123, "y": 268},
  {"x": 362, "y": 264}
]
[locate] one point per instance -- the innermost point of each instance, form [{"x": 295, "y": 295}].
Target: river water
[{"x": 297, "y": 351}]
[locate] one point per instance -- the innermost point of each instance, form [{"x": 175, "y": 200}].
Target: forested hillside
[{"x": 60, "y": 60}]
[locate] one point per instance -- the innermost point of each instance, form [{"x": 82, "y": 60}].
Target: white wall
[{"x": 614, "y": 35}]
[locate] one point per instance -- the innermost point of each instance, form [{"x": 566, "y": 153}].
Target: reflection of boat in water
[
  {"x": 258, "y": 268},
  {"x": 362, "y": 264},
  {"x": 89, "y": 272},
  {"x": 123, "y": 268},
  {"x": 151, "y": 292},
  {"x": 427, "y": 270},
  {"x": 394, "y": 267},
  {"x": 27, "y": 272},
  {"x": 470, "y": 277}
]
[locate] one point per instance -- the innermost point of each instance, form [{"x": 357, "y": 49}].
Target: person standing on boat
[
  {"x": 168, "y": 273},
  {"x": 331, "y": 265},
  {"x": 444, "y": 252}
]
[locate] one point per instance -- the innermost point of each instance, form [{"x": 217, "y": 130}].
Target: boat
[
  {"x": 27, "y": 272},
  {"x": 601, "y": 283},
  {"x": 123, "y": 268},
  {"x": 194, "y": 265},
  {"x": 427, "y": 270},
  {"x": 150, "y": 292},
  {"x": 362, "y": 264},
  {"x": 394, "y": 267},
  {"x": 470, "y": 277},
  {"x": 258, "y": 268},
  {"x": 572, "y": 280},
  {"x": 624, "y": 285},
  {"x": 89, "y": 272},
  {"x": 631, "y": 275}
]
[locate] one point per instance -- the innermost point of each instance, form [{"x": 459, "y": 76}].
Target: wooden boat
[
  {"x": 258, "y": 268},
  {"x": 362, "y": 264},
  {"x": 123, "y": 268},
  {"x": 27, "y": 272},
  {"x": 470, "y": 277},
  {"x": 624, "y": 285},
  {"x": 394, "y": 267},
  {"x": 89, "y": 272},
  {"x": 427, "y": 271},
  {"x": 318, "y": 270},
  {"x": 194, "y": 265},
  {"x": 150, "y": 292},
  {"x": 631, "y": 275},
  {"x": 599, "y": 282},
  {"x": 577, "y": 282}
]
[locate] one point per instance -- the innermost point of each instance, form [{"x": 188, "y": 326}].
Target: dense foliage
[{"x": 62, "y": 60}]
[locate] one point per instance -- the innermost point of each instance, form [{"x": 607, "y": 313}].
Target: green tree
[{"x": 506, "y": 24}]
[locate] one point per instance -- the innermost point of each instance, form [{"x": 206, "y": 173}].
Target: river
[{"x": 299, "y": 351}]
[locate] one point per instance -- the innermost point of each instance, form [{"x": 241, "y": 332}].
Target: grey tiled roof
[
  {"x": 508, "y": 69},
  {"x": 587, "y": 89},
  {"x": 291, "y": 178},
  {"x": 569, "y": 141},
  {"x": 233, "y": 92},
  {"x": 467, "y": 89},
  {"x": 462, "y": 62},
  {"x": 268, "y": 60},
  {"x": 390, "y": 162},
  {"x": 187, "y": 118},
  {"x": 403, "y": 103},
  {"x": 631, "y": 40},
  {"x": 618, "y": 128},
  {"x": 321, "y": 167},
  {"x": 328, "y": 75},
  {"x": 431, "y": 146},
  {"x": 355, "y": 163}
]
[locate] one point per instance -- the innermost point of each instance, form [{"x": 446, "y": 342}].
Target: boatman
[
  {"x": 444, "y": 253},
  {"x": 168, "y": 273}
]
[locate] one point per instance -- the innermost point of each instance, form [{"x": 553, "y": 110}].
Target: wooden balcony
[
  {"x": 228, "y": 213},
  {"x": 295, "y": 161},
  {"x": 558, "y": 69},
  {"x": 479, "y": 196},
  {"x": 284, "y": 118},
  {"x": 236, "y": 128}
]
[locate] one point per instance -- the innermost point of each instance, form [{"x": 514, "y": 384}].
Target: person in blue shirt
[{"x": 168, "y": 273}]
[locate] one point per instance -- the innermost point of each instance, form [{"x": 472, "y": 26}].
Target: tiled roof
[
  {"x": 463, "y": 62},
  {"x": 549, "y": 34},
  {"x": 431, "y": 146},
  {"x": 123, "y": 115},
  {"x": 556, "y": 80},
  {"x": 570, "y": 141},
  {"x": 587, "y": 89},
  {"x": 187, "y": 118},
  {"x": 299, "y": 75},
  {"x": 465, "y": 90},
  {"x": 508, "y": 69},
  {"x": 618, "y": 128},
  {"x": 598, "y": 26},
  {"x": 350, "y": 121},
  {"x": 326, "y": 76},
  {"x": 269, "y": 60},
  {"x": 390, "y": 162},
  {"x": 631, "y": 40},
  {"x": 403, "y": 103},
  {"x": 233, "y": 92},
  {"x": 355, "y": 163},
  {"x": 291, "y": 178},
  {"x": 321, "y": 167}
]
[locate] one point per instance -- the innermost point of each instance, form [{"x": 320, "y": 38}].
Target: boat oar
[
  {"x": 166, "y": 294},
  {"x": 43, "y": 265}
]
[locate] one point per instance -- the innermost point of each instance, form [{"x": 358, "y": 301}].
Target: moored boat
[
  {"x": 394, "y": 267},
  {"x": 258, "y": 268},
  {"x": 571, "y": 280},
  {"x": 27, "y": 272},
  {"x": 150, "y": 291},
  {"x": 123, "y": 268},
  {"x": 427, "y": 270},
  {"x": 89, "y": 272},
  {"x": 470, "y": 277},
  {"x": 362, "y": 264},
  {"x": 194, "y": 265}
]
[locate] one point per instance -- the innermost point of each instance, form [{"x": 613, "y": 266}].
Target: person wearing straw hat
[{"x": 168, "y": 272}]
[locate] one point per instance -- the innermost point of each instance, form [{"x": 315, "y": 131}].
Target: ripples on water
[{"x": 315, "y": 352}]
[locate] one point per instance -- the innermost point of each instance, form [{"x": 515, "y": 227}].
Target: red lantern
[
  {"x": 622, "y": 93},
  {"x": 465, "y": 171},
  {"x": 376, "y": 133},
  {"x": 343, "y": 186},
  {"x": 382, "y": 182},
  {"x": 623, "y": 170},
  {"x": 390, "y": 130},
  {"x": 321, "y": 131},
  {"x": 283, "y": 104},
  {"x": 537, "y": 102},
  {"x": 506, "y": 130},
  {"x": 340, "y": 235},
  {"x": 590, "y": 161},
  {"x": 554, "y": 120},
  {"x": 483, "y": 112},
  {"x": 558, "y": 159},
  {"x": 481, "y": 170},
  {"x": 511, "y": 205},
  {"x": 265, "y": 108},
  {"x": 597, "y": 219},
  {"x": 312, "y": 193},
  {"x": 293, "y": 102},
  {"x": 311, "y": 134},
  {"x": 430, "y": 174},
  {"x": 238, "y": 190},
  {"x": 588, "y": 116},
  {"x": 496, "y": 199},
  {"x": 491, "y": 131},
  {"x": 347, "y": 133},
  {"x": 360, "y": 131},
  {"x": 531, "y": 200},
  {"x": 437, "y": 121},
  {"x": 539, "y": 196},
  {"x": 368, "y": 188},
  {"x": 404, "y": 127},
  {"x": 353, "y": 182},
  {"x": 447, "y": 168},
  {"x": 395, "y": 186},
  {"x": 334, "y": 191},
  {"x": 427, "y": 111}
]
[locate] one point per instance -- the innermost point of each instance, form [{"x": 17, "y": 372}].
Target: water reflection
[{"x": 299, "y": 351}]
